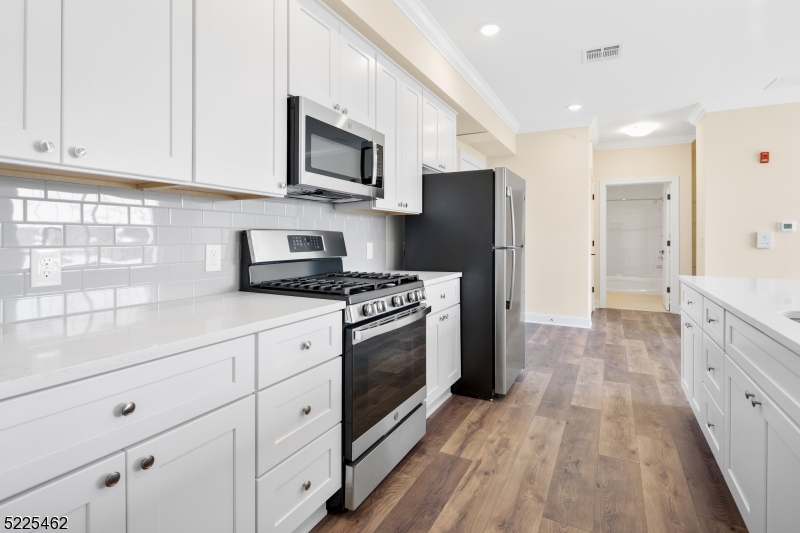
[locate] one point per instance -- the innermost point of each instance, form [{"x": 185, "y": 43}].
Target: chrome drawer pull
[
  {"x": 306, "y": 485},
  {"x": 112, "y": 479},
  {"x": 128, "y": 408},
  {"x": 709, "y": 424},
  {"x": 687, "y": 324},
  {"x": 148, "y": 462},
  {"x": 748, "y": 394},
  {"x": 710, "y": 368},
  {"x": 306, "y": 345},
  {"x": 306, "y": 409},
  {"x": 755, "y": 402},
  {"x": 689, "y": 302},
  {"x": 710, "y": 320}
]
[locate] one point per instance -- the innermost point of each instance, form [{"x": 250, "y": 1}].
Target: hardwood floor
[{"x": 594, "y": 436}]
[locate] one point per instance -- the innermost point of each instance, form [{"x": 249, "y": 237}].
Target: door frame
[{"x": 674, "y": 222}]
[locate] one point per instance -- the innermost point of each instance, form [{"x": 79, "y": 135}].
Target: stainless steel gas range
[{"x": 384, "y": 358}]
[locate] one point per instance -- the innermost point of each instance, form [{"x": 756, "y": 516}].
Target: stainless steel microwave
[{"x": 331, "y": 157}]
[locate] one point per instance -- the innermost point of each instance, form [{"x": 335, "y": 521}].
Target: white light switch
[
  {"x": 45, "y": 268},
  {"x": 213, "y": 257},
  {"x": 764, "y": 239},
  {"x": 369, "y": 250}
]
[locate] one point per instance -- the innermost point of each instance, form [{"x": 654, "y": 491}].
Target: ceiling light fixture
[
  {"x": 489, "y": 29},
  {"x": 641, "y": 129},
  {"x": 574, "y": 107}
]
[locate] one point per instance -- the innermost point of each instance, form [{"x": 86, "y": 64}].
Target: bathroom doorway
[{"x": 639, "y": 244}]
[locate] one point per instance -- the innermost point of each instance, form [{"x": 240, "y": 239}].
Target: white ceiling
[{"x": 719, "y": 53}]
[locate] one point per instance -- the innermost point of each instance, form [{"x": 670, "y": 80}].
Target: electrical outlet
[
  {"x": 45, "y": 268},
  {"x": 369, "y": 250},
  {"x": 213, "y": 257}
]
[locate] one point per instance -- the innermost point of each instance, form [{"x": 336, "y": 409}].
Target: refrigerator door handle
[
  {"x": 510, "y": 195},
  {"x": 513, "y": 275}
]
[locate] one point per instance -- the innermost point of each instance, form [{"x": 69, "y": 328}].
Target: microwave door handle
[{"x": 364, "y": 178}]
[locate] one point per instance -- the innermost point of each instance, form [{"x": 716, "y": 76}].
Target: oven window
[
  {"x": 387, "y": 370},
  {"x": 336, "y": 153}
]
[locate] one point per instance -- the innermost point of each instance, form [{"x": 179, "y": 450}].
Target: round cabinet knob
[
  {"x": 46, "y": 146},
  {"x": 711, "y": 320},
  {"x": 80, "y": 152},
  {"x": 755, "y": 402},
  {"x": 307, "y": 409},
  {"x": 368, "y": 309},
  {"x": 380, "y": 306},
  {"x": 306, "y": 345},
  {"x": 344, "y": 111},
  {"x": 128, "y": 408},
  {"x": 148, "y": 462},
  {"x": 306, "y": 485},
  {"x": 397, "y": 301},
  {"x": 748, "y": 394},
  {"x": 112, "y": 479},
  {"x": 396, "y": 416},
  {"x": 336, "y": 107},
  {"x": 709, "y": 424},
  {"x": 282, "y": 185}
]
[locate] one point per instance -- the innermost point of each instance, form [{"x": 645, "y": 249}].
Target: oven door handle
[{"x": 365, "y": 333}]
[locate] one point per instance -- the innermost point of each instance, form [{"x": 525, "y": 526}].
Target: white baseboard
[
  {"x": 436, "y": 403},
  {"x": 315, "y": 518},
  {"x": 557, "y": 320}
]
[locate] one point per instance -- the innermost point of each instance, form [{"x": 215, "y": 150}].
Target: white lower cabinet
[
  {"x": 197, "y": 477},
  {"x": 443, "y": 352},
  {"x": 295, "y": 489},
  {"x": 85, "y": 500},
  {"x": 691, "y": 361}
]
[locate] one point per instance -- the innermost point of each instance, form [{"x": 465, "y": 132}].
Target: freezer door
[{"x": 509, "y": 278}]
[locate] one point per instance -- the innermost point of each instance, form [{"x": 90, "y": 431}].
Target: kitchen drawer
[
  {"x": 48, "y": 433},
  {"x": 714, "y": 322},
  {"x": 692, "y": 303},
  {"x": 444, "y": 295},
  {"x": 713, "y": 424},
  {"x": 771, "y": 365},
  {"x": 294, "y": 489},
  {"x": 291, "y": 349},
  {"x": 713, "y": 369},
  {"x": 294, "y": 412}
]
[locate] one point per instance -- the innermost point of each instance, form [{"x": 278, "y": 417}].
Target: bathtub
[{"x": 633, "y": 285}]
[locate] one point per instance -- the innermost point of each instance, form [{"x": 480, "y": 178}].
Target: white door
[
  {"x": 433, "y": 375},
  {"x": 356, "y": 77},
  {"x": 30, "y": 83},
  {"x": 240, "y": 94},
  {"x": 313, "y": 52},
  {"x": 430, "y": 135},
  {"x": 450, "y": 346},
  {"x": 87, "y": 500},
  {"x": 447, "y": 140},
  {"x": 745, "y": 445},
  {"x": 411, "y": 106},
  {"x": 127, "y": 82},
  {"x": 389, "y": 88},
  {"x": 200, "y": 476},
  {"x": 665, "y": 247}
]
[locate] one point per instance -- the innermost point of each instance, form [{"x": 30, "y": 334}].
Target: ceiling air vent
[
  {"x": 594, "y": 55},
  {"x": 784, "y": 83}
]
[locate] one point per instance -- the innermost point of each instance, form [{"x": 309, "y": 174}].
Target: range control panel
[{"x": 305, "y": 243}]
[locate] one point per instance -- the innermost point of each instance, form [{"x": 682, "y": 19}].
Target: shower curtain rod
[{"x": 636, "y": 199}]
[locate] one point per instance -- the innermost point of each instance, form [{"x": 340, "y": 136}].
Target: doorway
[{"x": 639, "y": 231}]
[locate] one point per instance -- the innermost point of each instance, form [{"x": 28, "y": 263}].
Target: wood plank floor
[{"x": 594, "y": 436}]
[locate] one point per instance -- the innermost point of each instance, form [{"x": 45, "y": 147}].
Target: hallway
[{"x": 595, "y": 436}]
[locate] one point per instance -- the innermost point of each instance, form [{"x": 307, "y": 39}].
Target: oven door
[
  {"x": 333, "y": 152},
  {"x": 384, "y": 376}
]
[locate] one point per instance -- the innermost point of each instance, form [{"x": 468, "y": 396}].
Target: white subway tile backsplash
[
  {"x": 78, "y": 257},
  {"x": 169, "y": 235},
  {"x": 11, "y": 285},
  {"x": 21, "y": 187},
  {"x": 243, "y": 221},
  {"x": 255, "y": 207},
  {"x": 206, "y": 236},
  {"x": 144, "y": 294},
  {"x": 75, "y": 192},
  {"x": 186, "y": 271},
  {"x": 217, "y": 219},
  {"x": 174, "y": 291},
  {"x": 305, "y": 223},
  {"x": 104, "y": 214},
  {"x": 131, "y": 235},
  {"x": 44, "y": 211},
  {"x": 232, "y": 206},
  {"x": 149, "y": 216},
  {"x": 288, "y": 222},
  {"x": 121, "y": 255},
  {"x": 274, "y": 208},
  {"x": 193, "y": 253},
  {"x": 84, "y": 302},
  {"x": 337, "y": 224},
  {"x": 24, "y": 235},
  {"x": 71, "y": 280},
  {"x": 162, "y": 199},
  {"x": 206, "y": 287},
  {"x": 294, "y": 210},
  {"x": 110, "y": 195},
  {"x": 143, "y": 275},
  {"x": 12, "y": 210},
  {"x": 311, "y": 211},
  {"x": 162, "y": 254},
  {"x": 267, "y": 222},
  {"x": 89, "y": 235},
  {"x": 186, "y": 217},
  {"x": 197, "y": 202},
  {"x": 14, "y": 259},
  {"x": 32, "y": 308},
  {"x": 106, "y": 277},
  {"x": 322, "y": 224}
]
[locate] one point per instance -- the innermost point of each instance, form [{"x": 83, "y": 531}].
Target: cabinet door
[
  {"x": 430, "y": 134},
  {"x": 450, "y": 346},
  {"x": 81, "y": 496},
  {"x": 433, "y": 380},
  {"x": 356, "y": 77},
  {"x": 240, "y": 94},
  {"x": 411, "y": 145},
  {"x": 30, "y": 84},
  {"x": 744, "y": 452},
  {"x": 782, "y": 470},
  {"x": 202, "y": 478},
  {"x": 313, "y": 52},
  {"x": 691, "y": 358},
  {"x": 127, "y": 82},
  {"x": 389, "y": 88},
  {"x": 447, "y": 140}
]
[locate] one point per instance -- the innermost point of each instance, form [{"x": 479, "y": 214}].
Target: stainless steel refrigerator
[{"x": 474, "y": 222}]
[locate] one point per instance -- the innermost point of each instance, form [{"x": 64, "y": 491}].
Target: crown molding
[
  {"x": 643, "y": 143},
  {"x": 431, "y": 29},
  {"x": 697, "y": 113}
]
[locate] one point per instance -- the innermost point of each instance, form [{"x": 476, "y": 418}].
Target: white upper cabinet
[
  {"x": 389, "y": 87},
  {"x": 411, "y": 145},
  {"x": 30, "y": 79},
  {"x": 240, "y": 94},
  {"x": 356, "y": 77},
  {"x": 127, "y": 87},
  {"x": 313, "y": 52},
  {"x": 438, "y": 135}
]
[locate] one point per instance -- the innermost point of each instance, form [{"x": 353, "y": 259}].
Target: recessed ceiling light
[
  {"x": 489, "y": 29},
  {"x": 574, "y": 107},
  {"x": 641, "y": 129}
]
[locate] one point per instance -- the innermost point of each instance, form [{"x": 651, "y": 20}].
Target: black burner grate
[{"x": 344, "y": 283}]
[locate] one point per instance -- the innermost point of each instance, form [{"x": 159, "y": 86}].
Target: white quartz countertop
[
  {"x": 430, "y": 278},
  {"x": 759, "y": 302},
  {"x": 39, "y": 354}
]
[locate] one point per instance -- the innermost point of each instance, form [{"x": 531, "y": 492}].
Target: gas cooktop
[{"x": 343, "y": 283}]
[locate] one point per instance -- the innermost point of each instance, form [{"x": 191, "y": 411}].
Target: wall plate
[
  {"x": 213, "y": 257},
  {"x": 45, "y": 268}
]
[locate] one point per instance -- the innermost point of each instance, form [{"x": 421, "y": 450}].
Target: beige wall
[
  {"x": 555, "y": 166},
  {"x": 471, "y": 151},
  {"x": 742, "y": 196},
  {"x": 650, "y": 162}
]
